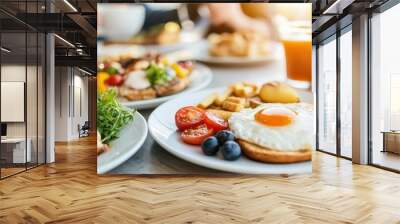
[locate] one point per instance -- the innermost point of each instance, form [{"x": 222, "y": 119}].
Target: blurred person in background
[
  {"x": 223, "y": 17},
  {"x": 220, "y": 17}
]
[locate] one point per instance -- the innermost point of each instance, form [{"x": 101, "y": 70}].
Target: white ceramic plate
[
  {"x": 202, "y": 55},
  {"x": 129, "y": 142},
  {"x": 200, "y": 78},
  {"x": 162, "y": 128},
  {"x": 186, "y": 40}
]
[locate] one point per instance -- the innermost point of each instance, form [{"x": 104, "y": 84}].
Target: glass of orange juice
[{"x": 296, "y": 39}]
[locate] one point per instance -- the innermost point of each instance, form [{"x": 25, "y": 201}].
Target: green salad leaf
[
  {"x": 156, "y": 74},
  {"x": 111, "y": 116}
]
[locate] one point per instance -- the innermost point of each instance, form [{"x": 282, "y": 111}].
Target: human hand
[{"x": 232, "y": 16}]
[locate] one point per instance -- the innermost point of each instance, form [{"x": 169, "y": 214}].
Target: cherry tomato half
[
  {"x": 196, "y": 135},
  {"x": 189, "y": 117},
  {"x": 215, "y": 122},
  {"x": 114, "y": 80}
]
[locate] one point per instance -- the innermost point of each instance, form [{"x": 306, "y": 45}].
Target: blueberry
[
  {"x": 231, "y": 150},
  {"x": 210, "y": 146},
  {"x": 224, "y": 136}
]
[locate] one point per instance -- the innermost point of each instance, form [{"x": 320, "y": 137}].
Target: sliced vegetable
[
  {"x": 115, "y": 80},
  {"x": 215, "y": 122},
  {"x": 196, "y": 135},
  {"x": 101, "y": 81},
  {"x": 111, "y": 70},
  {"x": 180, "y": 71},
  {"x": 189, "y": 117}
]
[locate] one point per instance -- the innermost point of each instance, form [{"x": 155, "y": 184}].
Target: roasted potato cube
[
  {"x": 223, "y": 96},
  {"x": 221, "y": 113},
  {"x": 231, "y": 106},
  {"x": 278, "y": 92},
  {"x": 245, "y": 90},
  {"x": 209, "y": 100},
  {"x": 254, "y": 102},
  {"x": 238, "y": 100},
  {"x": 238, "y": 89},
  {"x": 252, "y": 85}
]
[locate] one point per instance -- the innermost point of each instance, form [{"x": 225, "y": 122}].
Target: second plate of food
[
  {"x": 236, "y": 49},
  {"x": 163, "y": 127},
  {"x": 147, "y": 81},
  {"x": 199, "y": 79}
]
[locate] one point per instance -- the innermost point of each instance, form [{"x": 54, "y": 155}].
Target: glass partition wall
[
  {"x": 346, "y": 93},
  {"x": 379, "y": 75},
  {"x": 334, "y": 94},
  {"x": 385, "y": 90},
  {"x": 22, "y": 77},
  {"x": 327, "y": 96}
]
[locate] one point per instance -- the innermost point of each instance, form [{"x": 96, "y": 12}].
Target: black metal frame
[
  {"x": 338, "y": 97},
  {"x": 44, "y": 71}
]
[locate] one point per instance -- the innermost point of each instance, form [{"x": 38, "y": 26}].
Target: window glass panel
[
  {"x": 385, "y": 114},
  {"x": 346, "y": 93},
  {"x": 327, "y": 97}
]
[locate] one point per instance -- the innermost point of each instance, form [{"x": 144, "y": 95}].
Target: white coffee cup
[{"x": 120, "y": 21}]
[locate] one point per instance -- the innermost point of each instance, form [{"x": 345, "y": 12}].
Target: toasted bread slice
[
  {"x": 134, "y": 94},
  {"x": 171, "y": 87},
  {"x": 262, "y": 154}
]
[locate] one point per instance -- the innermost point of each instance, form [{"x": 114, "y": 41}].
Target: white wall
[{"x": 70, "y": 83}]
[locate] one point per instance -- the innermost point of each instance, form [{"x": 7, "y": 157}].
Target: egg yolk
[{"x": 276, "y": 116}]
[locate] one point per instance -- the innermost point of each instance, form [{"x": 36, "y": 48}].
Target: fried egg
[{"x": 281, "y": 127}]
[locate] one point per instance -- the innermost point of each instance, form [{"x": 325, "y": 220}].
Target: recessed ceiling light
[
  {"x": 64, "y": 40},
  {"x": 5, "y": 50},
  {"x": 84, "y": 71},
  {"x": 70, "y": 5},
  {"x": 337, "y": 7}
]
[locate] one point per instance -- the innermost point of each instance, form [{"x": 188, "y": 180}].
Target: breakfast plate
[
  {"x": 200, "y": 78},
  {"x": 203, "y": 55},
  {"x": 163, "y": 129},
  {"x": 105, "y": 51},
  {"x": 187, "y": 38},
  {"x": 131, "y": 138}
]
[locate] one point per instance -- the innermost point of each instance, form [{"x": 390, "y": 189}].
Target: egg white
[{"x": 293, "y": 137}]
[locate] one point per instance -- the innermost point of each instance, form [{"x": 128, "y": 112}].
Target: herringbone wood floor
[{"x": 69, "y": 191}]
